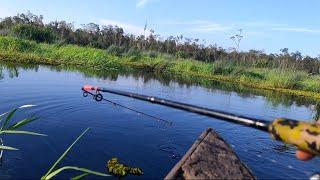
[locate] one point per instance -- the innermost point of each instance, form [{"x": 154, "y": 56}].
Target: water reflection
[
  {"x": 122, "y": 133},
  {"x": 273, "y": 98}
]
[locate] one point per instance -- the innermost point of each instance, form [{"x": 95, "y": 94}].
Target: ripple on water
[{"x": 136, "y": 139}]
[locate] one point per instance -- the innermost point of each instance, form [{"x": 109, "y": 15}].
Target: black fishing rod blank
[
  {"x": 99, "y": 97},
  {"x": 304, "y": 135}
]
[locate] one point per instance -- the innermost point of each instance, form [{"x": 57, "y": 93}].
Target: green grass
[
  {"x": 7, "y": 127},
  {"x": 54, "y": 171},
  {"x": 288, "y": 81}
]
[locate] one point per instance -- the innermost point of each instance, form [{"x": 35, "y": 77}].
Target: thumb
[{"x": 305, "y": 156}]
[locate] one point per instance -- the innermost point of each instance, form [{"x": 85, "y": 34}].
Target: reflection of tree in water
[
  {"x": 316, "y": 110},
  {"x": 13, "y": 72},
  {"x": 1, "y": 72},
  {"x": 272, "y": 97},
  {"x": 13, "y": 69}
]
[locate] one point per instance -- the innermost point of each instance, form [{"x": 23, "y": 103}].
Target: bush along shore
[{"x": 288, "y": 81}]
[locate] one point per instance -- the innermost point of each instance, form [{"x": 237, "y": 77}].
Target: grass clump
[
  {"x": 134, "y": 54},
  {"x": 223, "y": 68},
  {"x": 296, "y": 82},
  {"x": 115, "y": 50},
  {"x": 285, "y": 79}
]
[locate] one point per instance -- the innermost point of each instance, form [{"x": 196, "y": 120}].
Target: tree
[
  {"x": 237, "y": 39},
  {"x": 30, "y": 26}
]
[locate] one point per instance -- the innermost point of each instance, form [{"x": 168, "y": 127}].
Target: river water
[{"x": 135, "y": 139}]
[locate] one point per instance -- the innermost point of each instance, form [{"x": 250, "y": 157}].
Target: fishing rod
[
  {"x": 304, "y": 135},
  {"x": 100, "y": 98}
]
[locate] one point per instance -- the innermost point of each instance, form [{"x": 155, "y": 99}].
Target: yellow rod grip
[{"x": 304, "y": 135}]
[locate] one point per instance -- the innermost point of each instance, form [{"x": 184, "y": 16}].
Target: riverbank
[{"x": 291, "y": 82}]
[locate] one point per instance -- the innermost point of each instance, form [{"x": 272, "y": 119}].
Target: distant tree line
[{"x": 32, "y": 27}]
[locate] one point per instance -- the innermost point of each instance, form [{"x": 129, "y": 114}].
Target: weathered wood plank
[{"x": 210, "y": 157}]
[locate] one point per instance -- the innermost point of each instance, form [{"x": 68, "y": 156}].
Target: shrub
[
  {"x": 311, "y": 84},
  {"x": 115, "y": 50},
  {"x": 167, "y": 57},
  {"x": 36, "y": 33},
  {"x": 152, "y": 54},
  {"x": 134, "y": 54},
  {"x": 284, "y": 79},
  {"x": 14, "y": 44},
  {"x": 222, "y": 67},
  {"x": 181, "y": 54}
]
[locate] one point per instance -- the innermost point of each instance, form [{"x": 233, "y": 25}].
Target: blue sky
[{"x": 267, "y": 25}]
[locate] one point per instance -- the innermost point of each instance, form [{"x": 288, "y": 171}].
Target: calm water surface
[{"x": 135, "y": 139}]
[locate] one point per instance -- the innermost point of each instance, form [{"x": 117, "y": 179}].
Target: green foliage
[
  {"x": 53, "y": 171},
  {"x": 13, "y": 128},
  {"x": 223, "y": 68},
  {"x": 36, "y": 33},
  {"x": 152, "y": 54},
  {"x": 285, "y": 79},
  {"x": 113, "y": 38},
  {"x": 14, "y": 44},
  {"x": 311, "y": 84},
  {"x": 115, "y": 50},
  {"x": 248, "y": 73},
  {"x": 167, "y": 57},
  {"x": 134, "y": 54},
  {"x": 181, "y": 54},
  {"x": 119, "y": 169},
  {"x": 7, "y": 128},
  {"x": 24, "y": 51}
]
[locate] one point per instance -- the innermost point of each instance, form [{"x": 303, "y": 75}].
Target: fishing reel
[{"x": 96, "y": 95}]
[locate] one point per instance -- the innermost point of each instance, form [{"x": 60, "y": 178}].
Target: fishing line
[
  {"x": 99, "y": 97},
  {"x": 302, "y": 134},
  {"x": 1, "y": 152}
]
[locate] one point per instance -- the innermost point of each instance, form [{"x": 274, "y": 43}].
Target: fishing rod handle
[{"x": 304, "y": 135}]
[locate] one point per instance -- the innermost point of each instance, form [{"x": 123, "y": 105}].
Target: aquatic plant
[
  {"x": 53, "y": 171},
  {"x": 6, "y": 127},
  {"x": 115, "y": 167},
  {"x": 14, "y": 128}
]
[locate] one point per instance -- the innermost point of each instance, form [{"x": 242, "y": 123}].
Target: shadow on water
[{"x": 274, "y": 98}]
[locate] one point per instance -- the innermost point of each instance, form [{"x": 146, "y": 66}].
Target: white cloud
[
  {"x": 193, "y": 22},
  {"x": 141, "y": 3},
  {"x": 128, "y": 28},
  {"x": 255, "y": 33},
  {"x": 210, "y": 27},
  {"x": 261, "y": 24},
  {"x": 202, "y": 26},
  {"x": 255, "y": 28},
  {"x": 296, "y": 29}
]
